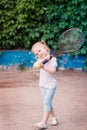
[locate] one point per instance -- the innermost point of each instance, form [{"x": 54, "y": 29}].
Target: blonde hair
[{"x": 42, "y": 43}]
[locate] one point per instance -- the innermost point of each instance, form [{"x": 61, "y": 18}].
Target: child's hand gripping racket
[
  {"x": 39, "y": 64},
  {"x": 70, "y": 41}
]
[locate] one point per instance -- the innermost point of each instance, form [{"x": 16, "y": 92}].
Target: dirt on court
[{"x": 21, "y": 104}]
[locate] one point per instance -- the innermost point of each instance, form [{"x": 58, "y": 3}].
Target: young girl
[{"x": 47, "y": 82}]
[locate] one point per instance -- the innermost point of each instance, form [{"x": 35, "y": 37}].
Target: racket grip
[{"x": 45, "y": 61}]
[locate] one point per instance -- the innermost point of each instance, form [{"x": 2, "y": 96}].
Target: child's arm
[
  {"x": 53, "y": 65},
  {"x": 50, "y": 70}
]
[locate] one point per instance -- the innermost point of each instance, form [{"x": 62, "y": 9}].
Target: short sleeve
[{"x": 53, "y": 62}]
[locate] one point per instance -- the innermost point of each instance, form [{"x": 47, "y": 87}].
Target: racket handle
[{"x": 45, "y": 61}]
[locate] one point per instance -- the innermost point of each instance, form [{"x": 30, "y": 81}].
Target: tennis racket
[{"x": 69, "y": 41}]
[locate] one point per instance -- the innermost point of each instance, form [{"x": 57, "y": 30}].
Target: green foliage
[
  {"x": 18, "y": 23},
  {"x": 21, "y": 66},
  {"x": 24, "y": 22}
]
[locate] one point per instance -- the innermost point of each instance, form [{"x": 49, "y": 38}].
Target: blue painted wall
[
  {"x": 12, "y": 58},
  {"x": 72, "y": 62},
  {"x": 27, "y": 58}
]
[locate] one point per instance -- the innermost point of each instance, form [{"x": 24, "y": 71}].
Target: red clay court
[{"x": 21, "y": 104}]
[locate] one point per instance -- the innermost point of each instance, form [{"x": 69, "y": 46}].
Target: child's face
[{"x": 40, "y": 51}]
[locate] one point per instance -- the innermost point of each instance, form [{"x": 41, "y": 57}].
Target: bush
[{"x": 24, "y": 22}]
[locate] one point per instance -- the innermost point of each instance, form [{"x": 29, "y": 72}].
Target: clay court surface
[{"x": 21, "y": 103}]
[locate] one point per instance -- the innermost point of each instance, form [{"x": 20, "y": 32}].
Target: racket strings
[{"x": 70, "y": 41}]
